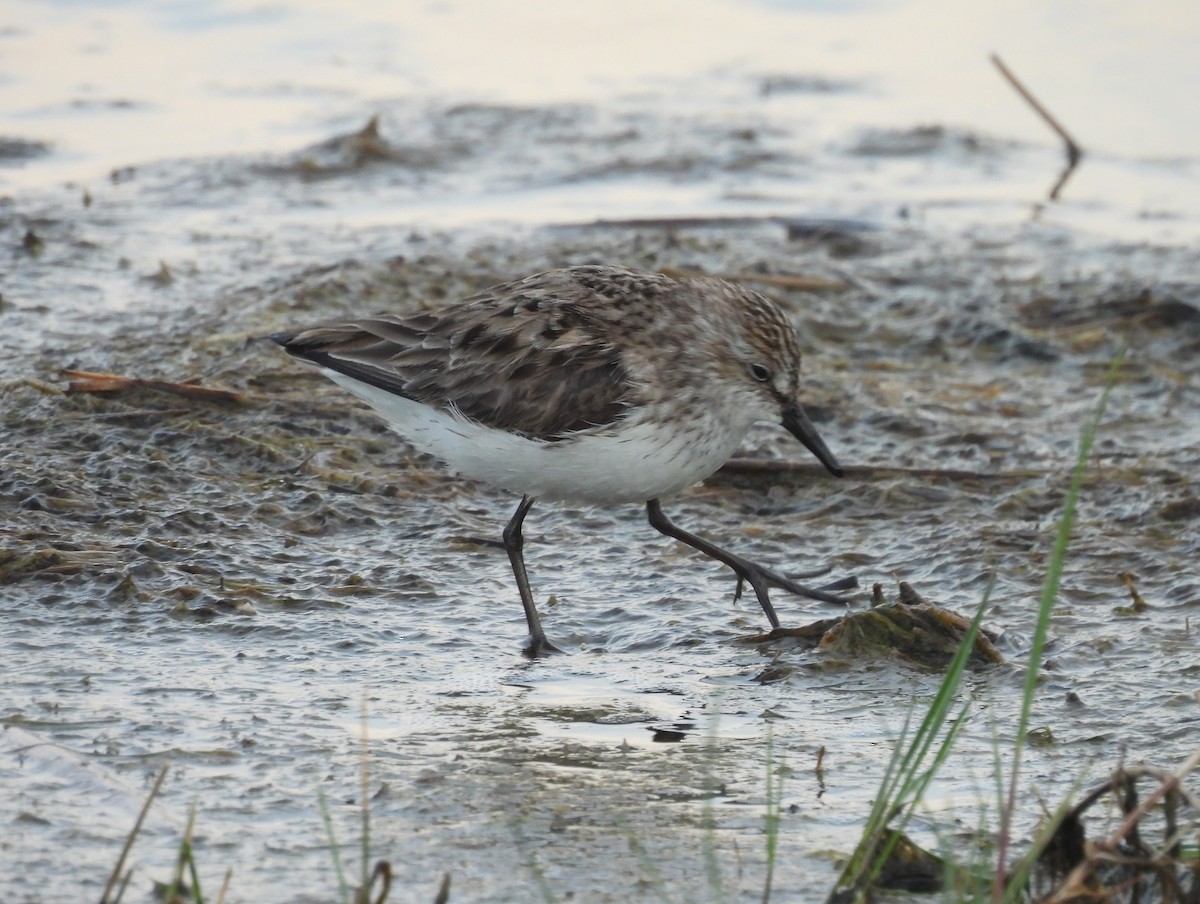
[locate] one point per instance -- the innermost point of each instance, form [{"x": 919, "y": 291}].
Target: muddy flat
[{"x": 211, "y": 557}]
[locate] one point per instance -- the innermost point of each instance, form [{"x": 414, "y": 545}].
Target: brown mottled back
[
  {"x": 488, "y": 357},
  {"x": 549, "y": 355}
]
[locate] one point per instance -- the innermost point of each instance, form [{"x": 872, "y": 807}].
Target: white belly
[{"x": 641, "y": 460}]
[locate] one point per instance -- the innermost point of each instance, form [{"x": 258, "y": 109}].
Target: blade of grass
[
  {"x": 772, "y": 817},
  {"x": 909, "y": 773},
  {"x": 225, "y": 885},
  {"x": 197, "y": 895},
  {"x": 712, "y": 863},
  {"x": 364, "y": 794},
  {"x": 1054, "y": 573},
  {"x": 343, "y": 888},
  {"x": 1017, "y": 880},
  {"x": 907, "y": 776},
  {"x": 184, "y": 860},
  {"x": 906, "y": 773}
]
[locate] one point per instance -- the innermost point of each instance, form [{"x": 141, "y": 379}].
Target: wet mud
[{"x": 217, "y": 560}]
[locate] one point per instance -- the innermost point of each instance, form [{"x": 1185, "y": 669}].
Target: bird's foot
[
  {"x": 762, "y": 579},
  {"x": 537, "y": 647}
]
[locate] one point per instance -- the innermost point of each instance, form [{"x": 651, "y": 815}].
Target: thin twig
[
  {"x": 1108, "y": 850},
  {"x": 137, "y": 827},
  {"x": 90, "y": 381},
  {"x": 364, "y": 795},
  {"x": 124, "y": 885},
  {"x": 1143, "y": 808},
  {"x": 867, "y": 472},
  {"x": 383, "y": 872},
  {"x": 225, "y": 885},
  {"x": 443, "y": 894},
  {"x": 1074, "y": 151},
  {"x": 333, "y": 846}
]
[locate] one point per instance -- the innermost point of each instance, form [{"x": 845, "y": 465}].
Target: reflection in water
[{"x": 126, "y": 84}]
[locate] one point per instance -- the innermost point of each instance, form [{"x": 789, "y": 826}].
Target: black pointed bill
[{"x": 798, "y": 424}]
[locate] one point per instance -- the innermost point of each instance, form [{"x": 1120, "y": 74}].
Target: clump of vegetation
[{"x": 1061, "y": 864}]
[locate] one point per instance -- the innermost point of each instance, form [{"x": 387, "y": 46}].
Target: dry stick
[
  {"x": 225, "y": 885},
  {"x": 137, "y": 827},
  {"x": 90, "y": 381},
  {"x": 364, "y": 790},
  {"x": 1166, "y": 787},
  {"x": 443, "y": 895},
  {"x": 1163, "y": 776},
  {"x": 866, "y": 472},
  {"x": 383, "y": 872},
  {"x": 1074, "y": 151},
  {"x": 1170, "y": 782},
  {"x": 124, "y": 885}
]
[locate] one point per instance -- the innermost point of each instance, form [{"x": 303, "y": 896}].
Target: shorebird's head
[{"x": 768, "y": 353}]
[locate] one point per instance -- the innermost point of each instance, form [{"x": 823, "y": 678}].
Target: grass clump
[{"x": 1116, "y": 868}]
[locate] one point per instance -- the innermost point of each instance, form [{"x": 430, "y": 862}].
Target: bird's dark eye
[{"x": 760, "y": 372}]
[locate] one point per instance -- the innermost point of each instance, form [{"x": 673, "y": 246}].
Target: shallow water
[{"x": 219, "y": 586}]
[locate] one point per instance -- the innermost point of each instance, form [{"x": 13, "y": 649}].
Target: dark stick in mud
[{"x": 1074, "y": 151}]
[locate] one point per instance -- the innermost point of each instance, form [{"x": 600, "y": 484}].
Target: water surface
[{"x": 220, "y": 586}]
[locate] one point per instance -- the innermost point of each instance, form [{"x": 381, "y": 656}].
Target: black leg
[
  {"x": 514, "y": 544},
  {"x": 747, "y": 572}
]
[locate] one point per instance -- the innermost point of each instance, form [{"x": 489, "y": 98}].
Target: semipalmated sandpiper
[{"x": 589, "y": 384}]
